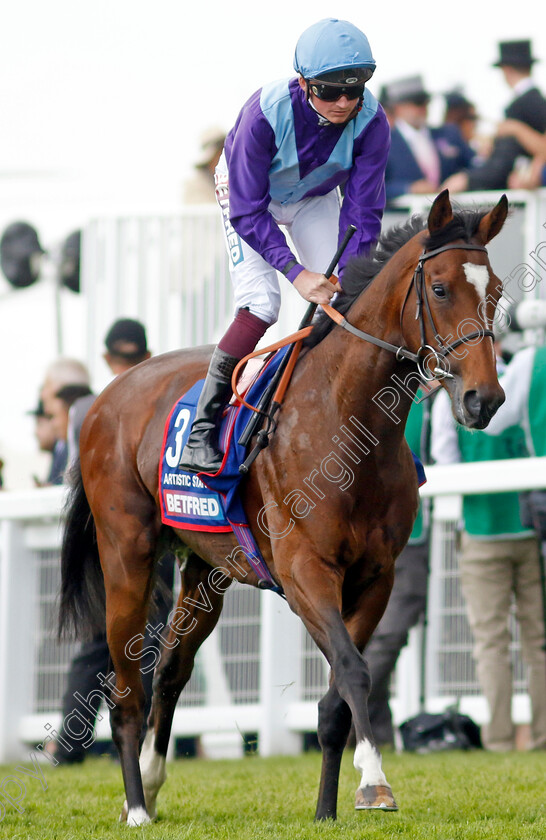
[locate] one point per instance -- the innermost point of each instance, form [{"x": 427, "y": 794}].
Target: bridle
[{"x": 423, "y": 312}]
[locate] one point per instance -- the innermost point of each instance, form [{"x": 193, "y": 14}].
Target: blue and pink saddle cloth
[{"x": 212, "y": 503}]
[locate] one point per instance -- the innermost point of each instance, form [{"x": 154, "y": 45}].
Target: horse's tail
[{"x": 82, "y": 598}]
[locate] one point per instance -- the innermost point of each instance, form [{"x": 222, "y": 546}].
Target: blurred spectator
[
  {"x": 126, "y": 345},
  {"x": 47, "y": 442},
  {"x": 527, "y": 174},
  {"x": 61, "y": 372},
  {"x": 499, "y": 564},
  {"x": 76, "y": 416},
  {"x": 462, "y": 114},
  {"x": 525, "y": 405},
  {"x": 528, "y": 106},
  {"x": 386, "y": 104},
  {"x": 420, "y": 157},
  {"x": 200, "y": 188},
  {"x": 59, "y": 407}
]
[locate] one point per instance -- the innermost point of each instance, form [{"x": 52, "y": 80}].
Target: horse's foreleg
[
  {"x": 315, "y": 594},
  {"x": 196, "y": 615},
  {"x": 373, "y": 791}
]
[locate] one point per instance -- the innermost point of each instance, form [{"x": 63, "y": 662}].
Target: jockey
[{"x": 294, "y": 144}]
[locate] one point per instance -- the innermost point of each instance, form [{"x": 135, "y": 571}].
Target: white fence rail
[{"x": 259, "y": 673}]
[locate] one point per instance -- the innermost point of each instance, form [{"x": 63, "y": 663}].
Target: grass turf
[{"x": 441, "y": 797}]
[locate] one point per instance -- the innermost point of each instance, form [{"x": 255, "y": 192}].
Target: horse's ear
[
  {"x": 440, "y": 213},
  {"x": 493, "y": 221}
]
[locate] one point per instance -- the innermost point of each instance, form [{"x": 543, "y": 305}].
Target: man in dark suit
[
  {"x": 420, "y": 157},
  {"x": 528, "y": 106}
]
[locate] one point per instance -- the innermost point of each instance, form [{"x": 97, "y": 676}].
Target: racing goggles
[{"x": 331, "y": 93}]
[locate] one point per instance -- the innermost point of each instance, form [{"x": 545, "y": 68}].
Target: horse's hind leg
[
  {"x": 127, "y": 562},
  {"x": 196, "y": 615}
]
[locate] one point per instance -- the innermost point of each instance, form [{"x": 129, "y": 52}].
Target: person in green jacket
[{"x": 499, "y": 565}]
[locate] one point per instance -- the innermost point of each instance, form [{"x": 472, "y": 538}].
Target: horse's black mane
[{"x": 360, "y": 271}]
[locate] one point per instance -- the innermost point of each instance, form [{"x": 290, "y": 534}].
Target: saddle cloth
[{"x": 205, "y": 502}]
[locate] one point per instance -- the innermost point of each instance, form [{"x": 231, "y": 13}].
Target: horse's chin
[{"x": 473, "y": 423}]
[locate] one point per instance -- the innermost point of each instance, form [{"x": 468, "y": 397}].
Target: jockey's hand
[{"x": 315, "y": 287}]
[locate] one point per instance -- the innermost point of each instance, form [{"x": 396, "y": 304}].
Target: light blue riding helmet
[{"x": 334, "y": 52}]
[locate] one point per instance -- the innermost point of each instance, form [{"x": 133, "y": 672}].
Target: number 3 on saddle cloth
[{"x": 203, "y": 502}]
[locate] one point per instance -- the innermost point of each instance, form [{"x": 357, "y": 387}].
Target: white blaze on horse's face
[{"x": 478, "y": 275}]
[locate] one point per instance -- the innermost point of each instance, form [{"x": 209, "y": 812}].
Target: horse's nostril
[
  {"x": 481, "y": 406},
  {"x": 472, "y": 403}
]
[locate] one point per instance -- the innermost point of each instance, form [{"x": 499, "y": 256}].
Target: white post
[
  {"x": 408, "y": 677},
  {"x": 217, "y": 744},
  {"x": 446, "y": 509},
  {"x": 280, "y": 675},
  {"x": 17, "y": 621}
]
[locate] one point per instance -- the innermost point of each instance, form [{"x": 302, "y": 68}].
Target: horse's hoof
[
  {"x": 375, "y": 797},
  {"x": 137, "y": 816}
]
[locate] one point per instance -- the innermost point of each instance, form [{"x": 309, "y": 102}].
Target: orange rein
[{"x": 297, "y": 340}]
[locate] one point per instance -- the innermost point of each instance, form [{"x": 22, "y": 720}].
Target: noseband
[{"x": 423, "y": 310}]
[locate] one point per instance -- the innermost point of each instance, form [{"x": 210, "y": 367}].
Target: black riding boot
[{"x": 201, "y": 453}]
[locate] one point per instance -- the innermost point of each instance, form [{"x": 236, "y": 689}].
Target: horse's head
[{"x": 457, "y": 294}]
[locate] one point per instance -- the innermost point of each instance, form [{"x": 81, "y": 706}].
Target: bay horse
[{"x": 331, "y": 501}]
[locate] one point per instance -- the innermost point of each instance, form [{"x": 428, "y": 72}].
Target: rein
[{"x": 423, "y": 306}]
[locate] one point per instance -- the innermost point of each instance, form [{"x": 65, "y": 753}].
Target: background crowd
[{"x": 452, "y": 155}]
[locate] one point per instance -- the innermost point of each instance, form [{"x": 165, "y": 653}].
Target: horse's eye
[{"x": 439, "y": 291}]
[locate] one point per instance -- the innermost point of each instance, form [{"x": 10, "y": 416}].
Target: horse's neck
[{"x": 369, "y": 377}]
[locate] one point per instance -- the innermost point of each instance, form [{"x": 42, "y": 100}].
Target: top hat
[
  {"x": 515, "y": 54},
  {"x": 409, "y": 89}
]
